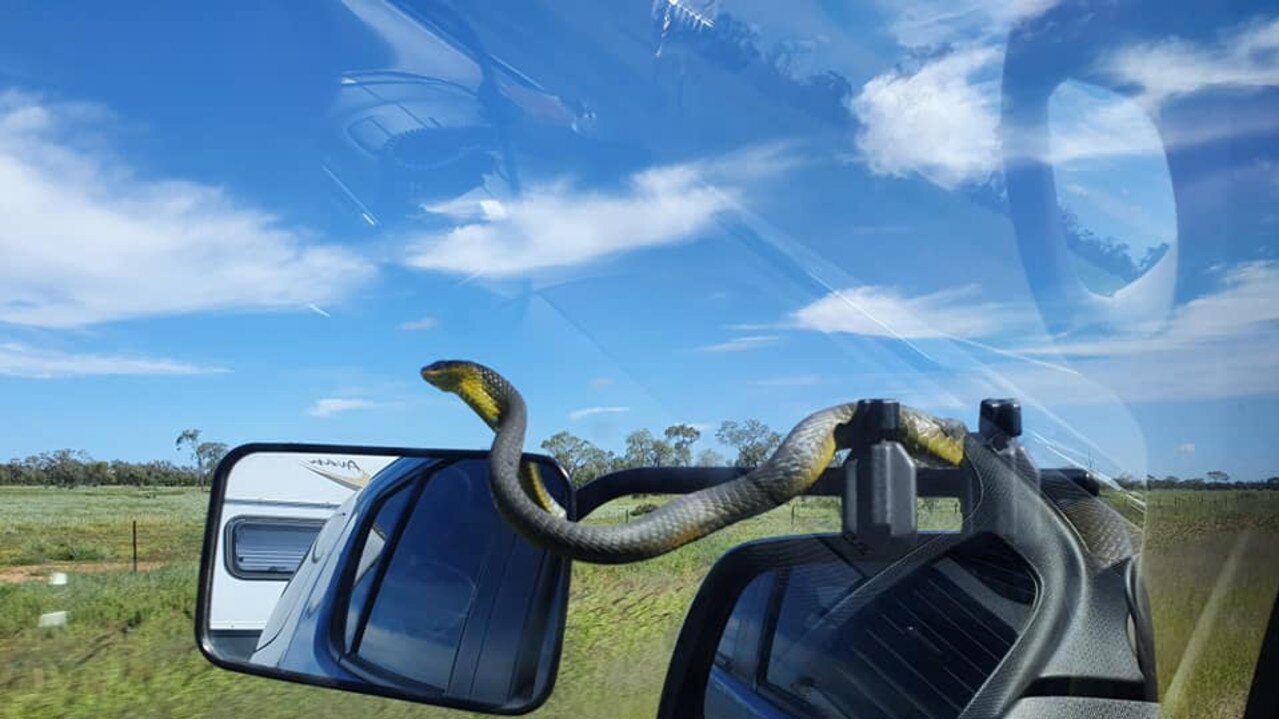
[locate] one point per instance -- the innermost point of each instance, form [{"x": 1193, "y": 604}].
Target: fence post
[
  {"x": 792, "y": 514},
  {"x": 135, "y": 546}
]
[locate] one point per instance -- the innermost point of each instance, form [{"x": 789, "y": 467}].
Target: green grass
[
  {"x": 128, "y": 648},
  {"x": 39, "y": 524}
]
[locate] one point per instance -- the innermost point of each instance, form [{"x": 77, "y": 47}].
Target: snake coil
[{"x": 523, "y": 502}]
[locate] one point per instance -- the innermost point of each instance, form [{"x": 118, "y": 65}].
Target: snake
[{"x": 523, "y": 502}]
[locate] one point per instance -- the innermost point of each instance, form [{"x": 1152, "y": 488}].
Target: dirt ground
[{"x": 41, "y": 572}]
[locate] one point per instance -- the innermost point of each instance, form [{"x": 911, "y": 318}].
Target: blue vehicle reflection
[{"x": 416, "y": 584}]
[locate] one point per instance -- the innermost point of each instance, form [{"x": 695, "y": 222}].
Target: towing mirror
[{"x": 383, "y": 571}]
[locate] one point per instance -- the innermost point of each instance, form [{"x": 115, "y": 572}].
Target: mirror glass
[
  {"x": 382, "y": 572},
  {"x": 815, "y": 637},
  {"x": 1114, "y": 189}
]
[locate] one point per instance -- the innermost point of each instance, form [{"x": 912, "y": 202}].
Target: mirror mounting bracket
[{"x": 878, "y": 507}]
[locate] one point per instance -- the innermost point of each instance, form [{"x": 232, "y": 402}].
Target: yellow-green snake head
[
  {"x": 486, "y": 393},
  {"x": 471, "y": 383}
]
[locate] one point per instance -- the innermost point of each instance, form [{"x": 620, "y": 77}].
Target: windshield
[{"x": 678, "y": 227}]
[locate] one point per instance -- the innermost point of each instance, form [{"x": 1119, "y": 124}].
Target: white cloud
[
  {"x": 579, "y": 414},
  {"x": 933, "y": 23},
  {"x": 318, "y": 310},
  {"x": 741, "y": 344},
  {"x": 86, "y": 239},
  {"x": 601, "y": 382},
  {"x": 329, "y": 406},
  {"x": 1244, "y": 57},
  {"x": 1244, "y": 310},
  {"x": 558, "y": 224},
  {"x": 19, "y": 360},
  {"x": 1218, "y": 345},
  {"x": 1088, "y": 124},
  {"x": 1187, "y": 448},
  {"x": 426, "y": 323},
  {"x": 939, "y": 121},
  {"x": 884, "y": 312}
]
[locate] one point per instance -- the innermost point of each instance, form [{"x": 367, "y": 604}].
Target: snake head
[
  {"x": 446, "y": 375},
  {"x": 476, "y": 385}
]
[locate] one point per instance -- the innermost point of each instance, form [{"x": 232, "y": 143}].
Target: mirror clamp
[{"x": 879, "y": 480}]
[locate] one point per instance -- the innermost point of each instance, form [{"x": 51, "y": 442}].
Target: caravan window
[{"x": 268, "y": 547}]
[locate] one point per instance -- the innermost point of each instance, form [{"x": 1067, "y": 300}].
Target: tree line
[
  {"x": 1214, "y": 480},
  {"x": 752, "y": 440},
  {"x": 76, "y": 468}
]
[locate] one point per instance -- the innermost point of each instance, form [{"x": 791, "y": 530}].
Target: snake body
[{"x": 524, "y": 504}]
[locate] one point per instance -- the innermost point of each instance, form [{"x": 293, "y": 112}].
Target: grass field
[{"x": 128, "y": 648}]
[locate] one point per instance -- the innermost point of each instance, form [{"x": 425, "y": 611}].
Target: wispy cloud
[
  {"x": 884, "y": 312},
  {"x": 940, "y": 23},
  {"x": 20, "y": 360},
  {"x": 560, "y": 224},
  {"x": 329, "y": 406},
  {"x": 88, "y": 239},
  {"x": 1246, "y": 308},
  {"x": 1186, "y": 448},
  {"x": 601, "y": 382},
  {"x": 741, "y": 344},
  {"x": 580, "y": 414},
  {"x": 1219, "y": 345},
  {"x": 318, "y": 310},
  {"x": 426, "y": 323},
  {"x": 1243, "y": 58}
]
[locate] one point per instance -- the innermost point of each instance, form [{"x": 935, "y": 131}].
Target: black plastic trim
[
  {"x": 930, "y": 482},
  {"x": 1263, "y": 699}
]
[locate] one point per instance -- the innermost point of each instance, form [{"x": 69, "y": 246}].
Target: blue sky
[{"x": 261, "y": 224}]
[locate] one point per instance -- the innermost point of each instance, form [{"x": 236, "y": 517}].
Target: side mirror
[{"x": 382, "y": 571}]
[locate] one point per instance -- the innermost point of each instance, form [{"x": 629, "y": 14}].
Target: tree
[
  {"x": 206, "y": 455},
  {"x": 579, "y": 457},
  {"x": 752, "y": 439},
  {"x": 567, "y": 449},
  {"x": 210, "y": 454},
  {"x": 645, "y": 450},
  {"x": 596, "y": 462},
  {"x": 1217, "y": 475},
  {"x": 710, "y": 458},
  {"x": 681, "y": 438}
]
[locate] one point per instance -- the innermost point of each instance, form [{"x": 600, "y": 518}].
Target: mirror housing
[
  {"x": 380, "y": 570},
  {"x": 818, "y": 626}
]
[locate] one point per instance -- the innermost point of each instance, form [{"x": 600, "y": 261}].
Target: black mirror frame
[
  {"x": 213, "y": 517},
  {"x": 689, "y": 672}
]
